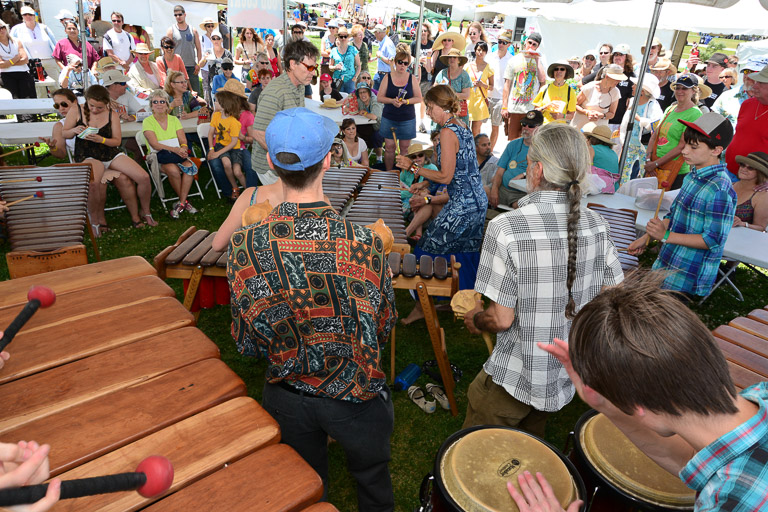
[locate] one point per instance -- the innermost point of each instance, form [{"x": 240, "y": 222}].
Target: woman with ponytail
[{"x": 540, "y": 264}]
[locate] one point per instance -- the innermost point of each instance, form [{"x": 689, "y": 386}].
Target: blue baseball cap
[{"x": 303, "y": 133}]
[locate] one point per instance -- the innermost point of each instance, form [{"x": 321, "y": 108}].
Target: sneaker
[
  {"x": 422, "y": 129},
  {"x": 188, "y": 207},
  {"x": 176, "y": 211}
]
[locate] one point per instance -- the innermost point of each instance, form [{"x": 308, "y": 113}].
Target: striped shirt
[
  {"x": 524, "y": 266},
  {"x": 705, "y": 206},
  {"x": 279, "y": 94},
  {"x": 732, "y": 472}
]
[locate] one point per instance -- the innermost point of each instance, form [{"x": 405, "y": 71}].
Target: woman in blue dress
[{"x": 458, "y": 228}]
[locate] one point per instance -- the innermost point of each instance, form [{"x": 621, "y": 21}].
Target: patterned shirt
[
  {"x": 312, "y": 293},
  {"x": 279, "y": 94},
  {"x": 732, "y": 472},
  {"x": 705, "y": 206},
  {"x": 729, "y": 103},
  {"x": 524, "y": 266}
]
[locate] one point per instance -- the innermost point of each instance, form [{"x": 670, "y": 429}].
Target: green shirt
[
  {"x": 150, "y": 124},
  {"x": 670, "y": 132}
]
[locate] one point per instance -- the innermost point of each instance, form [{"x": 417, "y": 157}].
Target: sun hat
[
  {"x": 233, "y": 86},
  {"x": 105, "y": 63},
  {"x": 333, "y": 23},
  {"x": 663, "y": 64},
  {"x": 417, "y": 147},
  {"x": 458, "y": 40},
  {"x": 757, "y": 160},
  {"x": 27, "y": 10},
  {"x": 302, "y": 132},
  {"x": 714, "y": 126},
  {"x": 650, "y": 84},
  {"x": 207, "y": 21},
  {"x": 616, "y": 72},
  {"x": 455, "y": 52},
  {"x": 113, "y": 76},
  {"x": 569, "y": 73},
  {"x": 622, "y": 48},
  {"x": 654, "y": 42},
  {"x": 330, "y": 103},
  {"x": 601, "y": 132},
  {"x": 142, "y": 48},
  {"x": 761, "y": 76},
  {"x": 705, "y": 91},
  {"x": 506, "y": 36}
]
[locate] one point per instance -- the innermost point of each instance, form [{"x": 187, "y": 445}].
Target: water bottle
[
  {"x": 39, "y": 70},
  {"x": 407, "y": 377}
]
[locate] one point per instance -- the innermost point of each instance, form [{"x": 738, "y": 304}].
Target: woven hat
[
  {"x": 330, "y": 103},
  {"x": 105, "y": 63},
  {"x": 757, "y": 160},
  {"x": 616, "y": 72},
  {"x": 601, "y": 132},
  {"x": 113, "y": 76},
  {"x": 417, "y": 147},
  {"x": 208, "y": 21},
  {"x": 458, "y": 40},
  {"x": 142, "y": 48},
  {"x": 233, "y": 86},
  {"x": 569, "y": 73},
  {"x": 454, "y": 53},
  {"x": 664, "y": 64},
  {"x": 507, "y": 35},
  {"x": 654, "y": 42}
]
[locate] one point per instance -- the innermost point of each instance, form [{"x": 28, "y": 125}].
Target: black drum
[
  {"x": 473, "y": 466},
  {"x": 619, "y": 476}
]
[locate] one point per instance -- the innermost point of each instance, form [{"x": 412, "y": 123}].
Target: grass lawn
[{"x": 693, "y": 37}]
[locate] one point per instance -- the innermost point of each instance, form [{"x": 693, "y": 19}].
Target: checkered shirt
[
  {"x": 732, "y": 472},
  {"x": 524, "y": 266},
  {"x": 705, "y": 205}
]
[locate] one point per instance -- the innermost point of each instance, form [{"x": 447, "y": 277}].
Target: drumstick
[
  {"x": 656, "y": 214},
  {"x": 38, "y": 178},
  {"x": 24, "y": 148},
  {"x": 39, "y": 194},
  {"x": 38, "y": 296},
  {"x": 153, "y": 476},
  {"x": 384, "y": 187}
]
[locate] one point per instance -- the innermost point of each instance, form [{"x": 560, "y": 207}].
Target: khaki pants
[{"x": 490, "y": 404}]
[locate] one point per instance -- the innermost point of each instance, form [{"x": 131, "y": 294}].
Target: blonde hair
[
  {"x": 169, "y": 78},
  {"x": 356, "y": 29},
  {"x": 444, "y": 97},
  {"x": 564, "y": 156}
]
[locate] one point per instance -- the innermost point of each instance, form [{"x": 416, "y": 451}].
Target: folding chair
[
  {"x": 157, "y": 177},
  {"x": 725, "y": 277},
  {"x": 202, "y": 134},
  {"x": 5, "y": 94}
]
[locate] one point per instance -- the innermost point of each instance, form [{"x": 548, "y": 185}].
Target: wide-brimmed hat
[
  {"x": 507, "y": 35},
  {"x": 705, "y": 91},
  {"x": 417, "y": 147},
  {"x": 568, "y": 69},
  {"x": 601, "y": 132},
  {"x": 761, "y": 76},
  {"x": 454, "y": 53},
  {"x": 654, "y": 42},
  {"x": 663, "y": 64},
  {"x": 208, "y": 21},
  {"x": 650, "y": 84},
  {"x": 330, "y": 103},
  {"x": 113, "y": 76},
  {"x": 104, "y": 63},
  {"x": 142, "y": 48},
  {"x": 616, "y": 72},
  {"x": 233, "y": 86},
  {"x": 458, "y": 40},
  {"x": 757, "y": 160}
]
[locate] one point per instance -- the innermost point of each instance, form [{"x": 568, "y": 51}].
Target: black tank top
[{"x": 96, "y": 150}]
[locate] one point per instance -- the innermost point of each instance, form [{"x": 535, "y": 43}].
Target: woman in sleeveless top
[
  {"x": 273, "y": 54},
  {"x": 399, "y": 92},
  {"x": 63, "y": 101},
  {"x": 250, "y": 196},
  {"x": 206, "y": 48},
  {"x": 245, "y": 53},
  {"x": 104, "y": 147},
  {"x": 751, "y": 200},
  {"x": 13, "y": 65}
]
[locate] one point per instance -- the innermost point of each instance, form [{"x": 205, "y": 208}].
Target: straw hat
[
  {"x": 664, "y": 64},
  {"x": 142, "y": 48},
  {"x": 207, "y": 21},
  {"x": 705, "y": 91},
  {"x": 417, "y": 147},
  {"x": 330, "y": 103},
  {"x": 757, "y": 160},
  {"x": 455, "y": 52},
  {"x": 654, "y": 42},
  {"x": 104, "y": 64},
  {"x": 650, "y": 85},
  {"x": 601, "y": 132},
  {"x": 233, "y": 86},
  {"x": 616, "y": 72},
  {"x": 458, "y": 40},
  {"x": 569, "y": 73}
]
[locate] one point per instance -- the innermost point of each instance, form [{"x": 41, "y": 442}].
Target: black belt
[{"x": 292, "y": 389}]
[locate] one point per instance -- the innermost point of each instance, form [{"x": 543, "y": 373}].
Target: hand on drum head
[
  {"x": 537, "y": 496},
  {"x": 26, "y": 463}
]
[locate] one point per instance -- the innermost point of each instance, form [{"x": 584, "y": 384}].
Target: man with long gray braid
[{"x": 539, "y": 265}]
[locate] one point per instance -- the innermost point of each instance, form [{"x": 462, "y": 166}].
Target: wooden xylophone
[
  {"x": 744, "y": 342},
  {"x": 623, "y": 232},
  {"x": 374, "y": 202},
  {"x": 340, "y": 184}
]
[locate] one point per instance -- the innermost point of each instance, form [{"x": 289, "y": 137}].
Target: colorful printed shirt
[
  {"x": 705, "y": 206},
  {"x": 522, "y": 72},
  {"x": 312, "y": 293},
  {"x": 732, "y": 472},
  {"x": 729, "y": 103},
  {"x": 226, "y": 129}
]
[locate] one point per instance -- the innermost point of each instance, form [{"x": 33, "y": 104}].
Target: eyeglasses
[
  {"x": 505, "y": 43},
  {"x": 63, "y": 104},
  {"x": 159, "y": 102},
  {"x": 297, "y": 32},
  {"x": 559, "y": 69},
  {"x": 311, "y": 69},
  {"x": 343, "y": 37},
  {"x": 403, "y": 62}
]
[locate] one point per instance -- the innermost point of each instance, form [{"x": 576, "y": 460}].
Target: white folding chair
[
  {"x": 202, "y": 134},
  {"x": 5, "y": 94},
  {"x": 158, "y": 177}
]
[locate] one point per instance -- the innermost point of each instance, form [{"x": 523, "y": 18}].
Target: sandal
[
  {"x": 137, "y": 224},
  {"x": 439, "y": 395},
  {"x": 416, "y": 394},
  {"x": 150, "y": 221},
  {"x": 96, "y": 232}
]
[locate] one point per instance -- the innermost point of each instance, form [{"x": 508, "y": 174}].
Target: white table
[
  {"x": 44, "y": 87},
  {"x": 743, "y": 244},
  {"x": 334, "y": 113}
]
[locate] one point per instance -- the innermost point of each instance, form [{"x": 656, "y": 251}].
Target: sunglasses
[
  {"x": 209, "y": 25},
  {"x": 605, "y": 53},
  {"x": 526, "y": 125},
  {"x": 169, "y": 47},
  {"x": 617, "y": 54},
  {"x": 448, "y": 40},
  {"x": 559, "y": 69},
  {"x": 403, "y": 62},
  {"x": 264, "y": 63},
  {"x": 343, "y": 37},
  {"x": 63, "y": 104},
  {"x": 216, "y": 38},
  {"x": 726, "y": 77},
  {"x": 159, "y": 102},
  {"x": 365, "y": 78},
  {"x": 297, "y": 32},
  {"x": 227, "y": 67},
  {"x": 419, "y": 155},
  {"x": 311, "y": 69},
  {"x": 589, "y": 57},
  {"x": 505, "y": 43},
  {"x": 177, "y": 14},
  {"x": 117, "y": 21}
]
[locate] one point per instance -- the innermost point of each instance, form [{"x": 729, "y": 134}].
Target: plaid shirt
[
  {"x": 312, "y": 292},
  {"x": 524, "y": 266},
  {"x": 732, "y": 472},
  {"x": 705, "y": 206}
]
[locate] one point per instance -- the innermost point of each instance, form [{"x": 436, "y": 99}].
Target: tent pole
[
  {"x": 286, "y": 34},
  {"x": 639, "y": 87},
  {"x": 83, "y": 44},
  {"x": 416, "y": 65}
]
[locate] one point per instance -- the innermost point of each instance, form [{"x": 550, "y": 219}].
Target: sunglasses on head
[
  {"x": 158, "y": 102},
  {"x": 63, "y": 104}
]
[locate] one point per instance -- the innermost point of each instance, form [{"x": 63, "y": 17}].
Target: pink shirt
[
  {"x": 177, "y": 64},
  {"x": 65, "y": 47},
  {"x": 246, "y": 120}
]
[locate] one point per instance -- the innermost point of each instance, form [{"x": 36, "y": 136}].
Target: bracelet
[
  {"x": 10, "y": 62},
  {"x": 503, "y": 108},
  {"x": 427, "y": 199},
  {"x": 407, "y": 102},
  {"x": 103, "y": 140},
  {"x": 666, "y": 235},
  {"x": 183, "y": 145}
]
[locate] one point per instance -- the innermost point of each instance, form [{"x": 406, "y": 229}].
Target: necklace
[
  {"x": 8, "y": 49},
  {"x": 757, "y": 109}
]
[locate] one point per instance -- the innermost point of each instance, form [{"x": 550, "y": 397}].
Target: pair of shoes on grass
[{"x": 416, "y": 394}]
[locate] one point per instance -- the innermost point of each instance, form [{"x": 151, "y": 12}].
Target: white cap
[{"x": 64, "y": 14}]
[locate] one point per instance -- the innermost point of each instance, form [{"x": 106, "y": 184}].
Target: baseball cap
[
  {"x": 533, "y": 118},
  {"x": 714, "y": 126},
  {"x": 379, "y": 28},
  {"x": 753, "y": 64},
  {"x": 687, "y": 80},
  {"x": 325, "y": 77},
  {"x": 27, "y": 10},
  {"x": 718, "y": 58},
  {"x": 113, "y": 76},
  {"x": 622, "y": 48},
  {"x": 302, "y": 132},
  {"x": 73, "y": 59}
]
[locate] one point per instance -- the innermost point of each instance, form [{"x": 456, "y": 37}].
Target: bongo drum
[
  {"x": 474, "y": 465},
  {"x": 622, "y": 476}
]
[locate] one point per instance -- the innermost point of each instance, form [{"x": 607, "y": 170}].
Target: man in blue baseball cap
[{"x": 312, "y": 293}]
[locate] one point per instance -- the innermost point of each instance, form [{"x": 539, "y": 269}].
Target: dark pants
[
  {"x": 363, "y": 430},
  {"x": 251, "y": 177},
  {"x": 194, "y": 79},
  {"x": 217, "y": 170}
]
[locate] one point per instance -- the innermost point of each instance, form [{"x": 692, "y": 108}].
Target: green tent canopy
[{"x": 429, "y": 15}]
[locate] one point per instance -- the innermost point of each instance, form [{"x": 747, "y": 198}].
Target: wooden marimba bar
[
  {"x": 340, "y": 184},
  {"x": 744, "y": 342},
  {"x": 623, "y": 232},
  {"x": 373, "y": 203}
]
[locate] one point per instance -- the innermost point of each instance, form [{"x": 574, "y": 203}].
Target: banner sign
[{"x": 255, "y": 13}]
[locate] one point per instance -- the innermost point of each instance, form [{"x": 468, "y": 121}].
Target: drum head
[
  {"x": 620, "y": 462},
  {"x": 475, "y": 469}
]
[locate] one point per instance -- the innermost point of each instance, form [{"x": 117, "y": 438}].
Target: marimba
[
  {"x": 744, "y": 342},
  {"x": 623, "y": 233},
  {"x": 106, "y": 391},
  {"x": 374, "y": 202}
]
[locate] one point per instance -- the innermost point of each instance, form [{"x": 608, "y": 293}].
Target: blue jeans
[
  {"x": 217, "y": 170},
  {"x": 348, "y": 86},
  {"x": 363, "y": 430},
  {"x": 377, "y": 78},
  {"x": 251, "y": 176}
]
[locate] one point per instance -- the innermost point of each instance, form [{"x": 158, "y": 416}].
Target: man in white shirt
[
  {"x": 123, "y": 102},
  {"x": 118, "y": 43},
  {"x": 385, "y": 55},
  {"x": 38, "y": 41},
  {"x": 498, "y": 61}
]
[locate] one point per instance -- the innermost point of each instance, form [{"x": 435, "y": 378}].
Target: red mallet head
[
  {"x": 43, "y": 294},
  {"x": 37, "y": 144},
  {"x": 39, "y": 178},
  {"x": 39, "y": 194},
  {"x": 159, "y": 471}
]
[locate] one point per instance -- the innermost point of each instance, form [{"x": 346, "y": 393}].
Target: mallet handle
[
  {"x": 19, "y": 200},
  {"x": 74, "y": 488},
  {"x": 18, "y": 322}
]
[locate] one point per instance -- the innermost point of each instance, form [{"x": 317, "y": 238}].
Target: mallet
[
  {"x": 38, "y": 296},
  {"x": 24, "y": 148},
  {"x": 656, "y": 214},
  {"x": 21, "y": 180},
  {"x": 153, "y": 476},
  {"x": 40, "y": 194},
  {"x": 384, "y": 187}
]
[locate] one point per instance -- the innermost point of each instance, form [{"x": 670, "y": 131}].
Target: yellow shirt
[
  {"x": 225, "y": 129},
  {"x": 552, "y": 92}
]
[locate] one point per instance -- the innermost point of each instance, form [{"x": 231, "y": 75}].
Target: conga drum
[
  {"x": 474, "y": 465},
  {"x": 623, "y": 477}
]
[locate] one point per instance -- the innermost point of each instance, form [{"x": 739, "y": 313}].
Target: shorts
[
  {"x": 404, "y": 130},
  {"x": 494, "y": 105},
  {"x": 107, "y": 163},
  {"x": 233, "y": 154}
]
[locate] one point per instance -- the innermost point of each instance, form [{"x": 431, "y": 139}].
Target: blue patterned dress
[{"x": 458, "y": 228}]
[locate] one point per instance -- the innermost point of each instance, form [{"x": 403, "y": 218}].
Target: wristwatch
[{"x": 427, "y": 199}]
